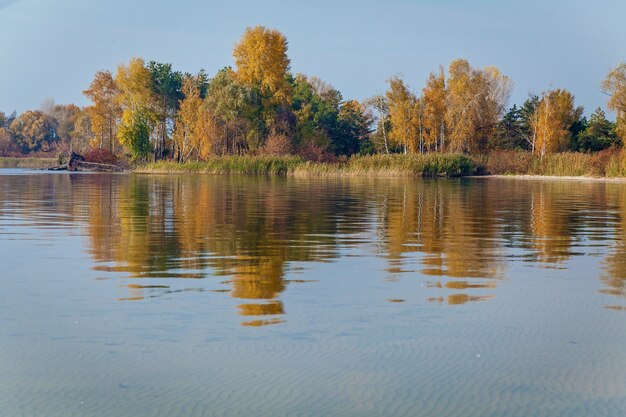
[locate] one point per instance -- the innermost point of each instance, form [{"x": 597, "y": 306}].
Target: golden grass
[
  {"x": 609, "y": 163},
  {"x": 28, "y": 162},
  {"x": 378, "y": 165}
]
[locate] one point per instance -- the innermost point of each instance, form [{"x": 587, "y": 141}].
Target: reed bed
[
  {"x": 379, "y": 165},
  {"x": 28, "y": 162},
  {"x": 609, "y": 163}
]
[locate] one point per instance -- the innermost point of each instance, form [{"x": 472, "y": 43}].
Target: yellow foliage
[
  {"x": 261, "y": 60},
  {"x": 476, "y": 99},
  {"x": 615, "y": 85},
  {"x": 434, "y": 97},
  {"x": 403, "y": 114},
  {"x": 105, "y": 109},
  {"x": 554, "y": 116}
]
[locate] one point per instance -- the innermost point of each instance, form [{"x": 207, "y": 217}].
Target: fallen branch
[{"x": 78, "y": 163}]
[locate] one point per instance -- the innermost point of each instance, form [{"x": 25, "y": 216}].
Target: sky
[{"x": 52, "y": 48}]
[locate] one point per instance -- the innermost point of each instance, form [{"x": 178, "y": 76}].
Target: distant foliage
[{"x": 149, "y": 111}]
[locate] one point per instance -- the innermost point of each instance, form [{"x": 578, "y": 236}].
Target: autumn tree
[
  {"x": 191, "y": 134},
  {"x": 135, "y": 98},
  {"x": 476, "y": 100},
  {"x": 555, "y": 115},
  {"x": 7, "y": 146},
  {"x": 105, "y": 109},
  {"x": 83, "y": 135},
  {"x": 615, "y": 86},
  {"x": 33, "y": 131},
  {"x": 234, "y": 111},
  {"x": 403, "y": 115},
  {"x": 262, "y": 65},
  {"x": 134, "y": 132},
  {"x": 66, "y": 117},
  {"x": 434, "y": 102}
]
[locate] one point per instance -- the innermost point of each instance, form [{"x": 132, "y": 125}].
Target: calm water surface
[{"x": 129, "y": 295}]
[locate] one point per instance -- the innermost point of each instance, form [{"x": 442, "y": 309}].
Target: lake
[{"x": 131, "y": 295}]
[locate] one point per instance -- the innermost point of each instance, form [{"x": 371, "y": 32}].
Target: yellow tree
[
  {"x": 135, "y": 98},
  {"x": 615, "y": 86},
  {"x": 552, "y": 121},
  {"x": 434, "y": 102},
  {"x": 105, "y": 110},
  {"x": 475, "y": 101},
  {"x": 495, "y": 91},
  {"x": 187, "y": 119},
  {"x": 403, "y": 115},
  {"x": 262, "y": 62},
  {"x": 460, "y": 105}
]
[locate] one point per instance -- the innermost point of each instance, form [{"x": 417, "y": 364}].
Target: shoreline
[
  {"x": 557, "y": 167},
  {"x": 347, "y": 174},
  {"x": 533, "y": 177}
]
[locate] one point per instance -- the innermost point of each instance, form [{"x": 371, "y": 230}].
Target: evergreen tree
[{"x": 599, "y": 134}]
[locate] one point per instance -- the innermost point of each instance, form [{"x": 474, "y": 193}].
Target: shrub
[
  {"x": 506, "y": 162},
  {"x": 100, "y": 156},
  {"x": 314, "y": 153},
  {"x": 277, "y": 145}
]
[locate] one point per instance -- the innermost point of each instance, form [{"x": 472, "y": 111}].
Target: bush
[
  {"x": 604, "y": 163},
  {"x": 314, "y": 153},
  {"x": 277, "y": 145},
  {"x": 616, "y": 164},
  {"x": 506, "y": 162},
  {"x": 100, "y": 156}
]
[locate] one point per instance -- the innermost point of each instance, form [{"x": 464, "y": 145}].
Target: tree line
[{"x": 149, "y": 111}]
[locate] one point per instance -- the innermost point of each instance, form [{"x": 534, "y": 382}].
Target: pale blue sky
[{"x": 52, "y": 48}]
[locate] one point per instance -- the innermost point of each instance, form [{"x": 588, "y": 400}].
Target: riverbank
[
  {"x": 523, "y": 177},
  {"x": 606, "y": 164}
]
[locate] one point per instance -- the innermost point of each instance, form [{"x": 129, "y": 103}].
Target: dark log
[
  {"x": 95, "y": 167},
  {"x": 78, "y": 163}
]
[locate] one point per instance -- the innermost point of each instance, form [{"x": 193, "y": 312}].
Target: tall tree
[
  {"x": 434, "y": 101},
  {"x": 134, "y": 132},
  {"x": 508, "y": 132},
  {"x": 475, "y": 103},
  {"x": 528, "y": 115},
  {"x": 83, "y": 135},
  {"x": 262, "y": 63},
  {"x": 66, "y": 117},
  {"x": 135, "y": 98},
  {"x": 615, "y": 86},
  {"x": 381, "y": 108},
  {"x": 555, "y": 115},
  {"x": 316, "y": 108},
  {"x": 34, "y": 131},
  {"x": 192, "y": 120},
  {"x": 166, "y": 92},
  {"x": 234, "y": 111},
  {"x": 353, "y": 128},
  {"x": 599, "y": 133},
  {"x": 105, "y": 109},
  {"x": 403, "y": 115}
]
